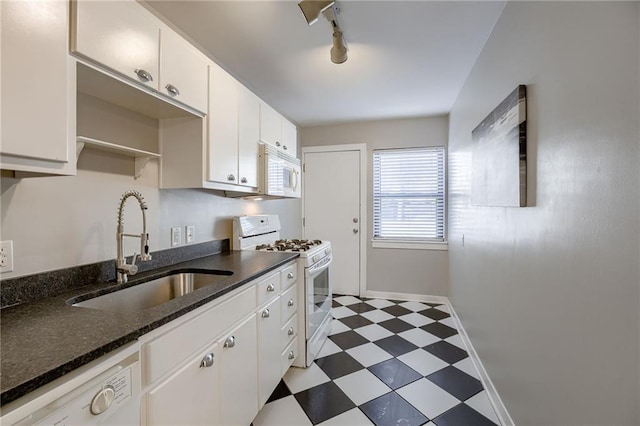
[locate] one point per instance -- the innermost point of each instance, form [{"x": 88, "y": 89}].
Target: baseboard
[
  {"x": 492, "y": 393},
  {"x": 406, "y": 297},
  {"x": 494, "y": 398}
]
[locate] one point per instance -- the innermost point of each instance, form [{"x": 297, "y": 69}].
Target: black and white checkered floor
[{"x": 385, "y": 363}]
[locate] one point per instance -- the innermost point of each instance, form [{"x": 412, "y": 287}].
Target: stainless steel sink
[{"x": 152, "y": 293}]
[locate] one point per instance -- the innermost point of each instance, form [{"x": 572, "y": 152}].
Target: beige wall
[
  {"x": 549, "y": 294},
  {"x": 58, "y": 222},
  {"x": 423, "y": 272}
]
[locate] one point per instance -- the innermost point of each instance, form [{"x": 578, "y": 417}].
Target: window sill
[{"x": 409, "y": 245}]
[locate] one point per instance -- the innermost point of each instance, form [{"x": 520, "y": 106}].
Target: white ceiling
[{"x": 406, "y": 58}]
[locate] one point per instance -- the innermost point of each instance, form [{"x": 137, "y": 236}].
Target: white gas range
[{"x": 262, "y": 232}]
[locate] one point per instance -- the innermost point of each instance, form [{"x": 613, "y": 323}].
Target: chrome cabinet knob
[
  {"x": 290, "y": 331},
  {"x": 207, "y": 361},
  {"x": 143, "y": 75},
  {"x": 102, "y": 400},
  {"x": 231, "y": 178},
  {"x": 291, "y": 355},
  {"x": 265, "y": 313},
  {"x": 243, "y": 180},
  {"x": 230, "y": 342},
  {"x": 173, "y": 90},
  {"x": 277, "y": 143},
  {"x": 290, "y": 275},
  {"x": 271, "y": 287},
  {"x": 290, "y": 302},
  {"x": 284, "y": 147}
]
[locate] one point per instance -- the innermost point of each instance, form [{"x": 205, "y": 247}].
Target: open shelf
[{"x": 141, "y": 157}]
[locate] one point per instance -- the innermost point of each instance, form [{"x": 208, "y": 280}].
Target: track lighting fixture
[{"x": 312, "y": 9}]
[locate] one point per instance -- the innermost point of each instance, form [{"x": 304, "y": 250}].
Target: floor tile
[
  {"x": 361, "y": 307},
  {"x": 462, "y": 414},
  {"x": 416, "y": 320},
  {"x": 440, "y": 330},
  {"x": 456, "y": 340},
  {"x": 373, "y": 332},
  {"x": 414, "y": 306},
  {"x": 356, "y": 321},
  {"x": 341, "y": 312},
  {"x": 467, "y": 366},
  {"x": 379, "y": 303},
  {"x": 353, "y": 417},
  {"x": 433, "y": 313},
  {"x": 338, "y": 327},
  {"x": 347, "y": 300},
  {"x": 396, "y": 310},
  {"x": 377, "y": 315},
  {"x": 456, "y": 382},
  {"x": 448, "y": 321},
  {"x": 395, "y": 373},
  {"x": 348, "y": 339},
  {"x": 285, "y": 411},
  {"x": 446, "y": 351},
  {"x": 329, "y": 348},
  {"x": 443, "y": 308},
  {"x": 395, "y": 345},
  {"x": 423, "y": 362},
  {"x": 362, "y": 386},
  {"x": 480, "y": 402},
  {"x": 323, "y": 402},
  {"x": 388, "y": 409},
  {"x": 335, "y": 304},
  {"x": 419, "y": 337},
  {"x": 280, "y": 392},
  {"x": 430, "y": 399},
  {"x": 395, "y": 325},
  {"x": 369, "y": 354},
  {"x": 338, "y": 365},
  {"x": 298, "y": 379}
]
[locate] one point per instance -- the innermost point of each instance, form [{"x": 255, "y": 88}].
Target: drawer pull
[
  {"x": 290, "y": 302},
  {"x": 290, "y": 331},
  {"x": 231, "y": 178},
  {"x": 290, "y": 275},
  {"x": 207, "y": 361},
  {"x": 271, "y": 287},
  {"x": 291, "y": 355},
  {"x": 230, "y": 342},
  {"x": 265, "y": 313}
]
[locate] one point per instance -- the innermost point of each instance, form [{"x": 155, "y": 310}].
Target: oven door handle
[{"x": 320, "y": 266}]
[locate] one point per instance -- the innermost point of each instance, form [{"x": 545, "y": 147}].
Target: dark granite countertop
[{"x": 44, "y": 339}]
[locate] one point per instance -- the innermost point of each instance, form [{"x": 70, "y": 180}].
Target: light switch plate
[
  {"x": 6, "y": 256},
  {"x": 176, "y": 237},
  {"x": 190, "y": 234}
]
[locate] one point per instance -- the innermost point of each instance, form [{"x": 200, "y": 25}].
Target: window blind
[{"x": 409, "y": 194}]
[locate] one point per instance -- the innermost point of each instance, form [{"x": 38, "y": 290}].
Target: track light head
[
  {"x": 339, "y": 49},
  {"x": 312, "y": 9}
]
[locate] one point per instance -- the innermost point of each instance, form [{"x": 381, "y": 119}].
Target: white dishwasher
[{"x": 107, "y": 392}]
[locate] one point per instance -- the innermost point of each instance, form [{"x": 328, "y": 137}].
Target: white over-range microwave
[{"x": 280, "y": 173}]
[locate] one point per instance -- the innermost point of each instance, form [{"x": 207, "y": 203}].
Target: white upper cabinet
[
  {"x": 38, "y": 88},
  {"x": 125, "y": 37},
  {"x": 277, "y": 130},
  {"x": 183, "y": 70},
  {"x": 248, "y": 136}
]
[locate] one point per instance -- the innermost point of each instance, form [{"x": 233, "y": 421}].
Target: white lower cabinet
[
  {"x": 239, "y": 375},
  {"x": 190, "y": 396},
  {"x": 269, "y": 349}
]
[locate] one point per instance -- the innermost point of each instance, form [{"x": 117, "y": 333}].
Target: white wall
[
  {"x": 549, "y": 294},
  {"x": 58, "y": 222},
  {"x": 423, "y": 272}
]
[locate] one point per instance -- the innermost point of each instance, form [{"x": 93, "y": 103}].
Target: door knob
[
  {"x": 355, "y": 230},
  {"x": 355, "y": 220}
]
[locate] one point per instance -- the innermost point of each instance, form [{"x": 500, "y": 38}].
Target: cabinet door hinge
[
  {"x": 303, "y": 167},
  {"x": 303, "y": 222}
]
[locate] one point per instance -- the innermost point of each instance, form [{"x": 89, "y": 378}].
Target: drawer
[
  {"x": 288, "y": 304},
  {"x": 288, "y": 331},
  {"x": 288, "y": 356},
  {"x": 289, "y": 276},
  {"x": 268, "y": 288},
  {"x": 170, "y": 349}
]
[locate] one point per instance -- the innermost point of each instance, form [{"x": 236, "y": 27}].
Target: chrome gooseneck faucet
[{"x": 123, "y": 269}]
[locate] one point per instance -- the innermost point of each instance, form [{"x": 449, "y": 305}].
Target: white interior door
[{"x": 332, "y": 204}]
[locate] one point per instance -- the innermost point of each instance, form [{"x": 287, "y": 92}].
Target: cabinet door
[
  {"x": 270, "y": 125},
  {"x": 248, "y": 136},
  {"x": 121, "y": 35},
  {"x": 183, "y": 71},
  {"x": 289, "y": 138},
  {"x": 239, "y": 375},
  {"x": 34, "y": 88},
  {"x": 269, "y": 350},
  {"x": 223, "y": 126},
  {"x": 190, "y": 396}
]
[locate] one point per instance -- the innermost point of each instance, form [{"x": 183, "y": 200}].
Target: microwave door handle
[{"x": 295, "y": 185}]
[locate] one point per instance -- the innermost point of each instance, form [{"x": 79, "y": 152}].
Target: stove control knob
[{"x": 102, "y": 400}]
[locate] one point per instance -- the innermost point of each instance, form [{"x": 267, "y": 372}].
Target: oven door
[{"x": 318, "y": 291}]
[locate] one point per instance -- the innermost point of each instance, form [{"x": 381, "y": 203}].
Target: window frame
[{"x": 411, "y": 243}]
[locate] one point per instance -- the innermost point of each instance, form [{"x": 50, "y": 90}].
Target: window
[{"x": 409, "y": 195}]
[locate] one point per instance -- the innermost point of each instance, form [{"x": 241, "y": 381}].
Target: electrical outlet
[
  {"x": 176, "y": 237},
  {"x": 190, "y": 234},
  {"x": 6, "y": 256}
]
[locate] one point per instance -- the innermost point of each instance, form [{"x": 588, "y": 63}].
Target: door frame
[{"x": 364, "y": 228}]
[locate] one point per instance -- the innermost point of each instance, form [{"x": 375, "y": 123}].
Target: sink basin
[{"x": 152, "y": 293}]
